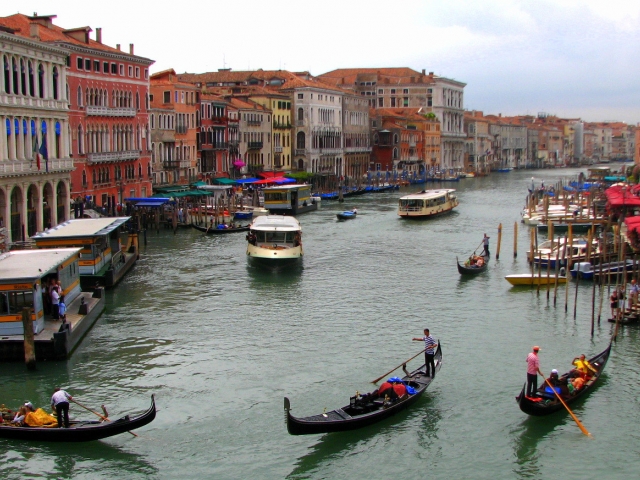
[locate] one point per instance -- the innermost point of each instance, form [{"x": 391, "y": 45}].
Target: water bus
[
  {"x": 275, "y": 241},
  {"x": 289, "y": 199},
  {"x": 427, "y": 203}
]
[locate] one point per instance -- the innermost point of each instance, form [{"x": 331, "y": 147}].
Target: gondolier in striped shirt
[{"x": 430, "y": 346}]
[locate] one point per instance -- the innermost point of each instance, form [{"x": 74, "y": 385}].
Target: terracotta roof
[
  {"x": 54, "y": 34},
  {"x": 402, "y": 75}
]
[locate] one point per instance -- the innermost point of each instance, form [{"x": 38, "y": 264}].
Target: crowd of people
[
  {"x": 28, "y": 416},
  {"x": 620, "y": 294},
  {"x": 53, "y": 299}
]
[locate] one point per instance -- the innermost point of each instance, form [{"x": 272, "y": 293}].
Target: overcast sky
[{"x": 573, "y": 58}]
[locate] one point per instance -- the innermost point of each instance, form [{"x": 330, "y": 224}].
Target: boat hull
[
  {"x": 528, "y": 279},
  {"x": 81, "y": 431},
  {"x": 346, "y": 215},
  {"x": 339, "y": 420},
  {"x": 463, "y": 270},
  {"x": 220, "y": 231}
]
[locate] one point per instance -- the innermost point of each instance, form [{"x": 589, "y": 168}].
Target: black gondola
[
  {"x": 464, "y": 270},
  {"x": 539, "y": 407},
  {"x": 221, "y": 231},
  {"x": 363, "y": 411},
  {"x": 80, "y": 431}
]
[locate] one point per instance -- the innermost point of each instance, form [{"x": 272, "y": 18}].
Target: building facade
[{"x": 35, "y": 162}]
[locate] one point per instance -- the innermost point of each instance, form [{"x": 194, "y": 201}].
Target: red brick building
[{"x": 108, "y": 111}]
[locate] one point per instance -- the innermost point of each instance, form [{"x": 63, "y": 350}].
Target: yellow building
[{"x": 280, "y": 106}]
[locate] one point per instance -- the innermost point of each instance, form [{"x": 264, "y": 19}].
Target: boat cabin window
[
  {"x": 14, "y": 302},
  {"x": 275, "y": 197}
]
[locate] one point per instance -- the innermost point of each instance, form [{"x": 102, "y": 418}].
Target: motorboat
[
  {"x": 535, "y": 279},
  {"x": 588, "y": 271}
]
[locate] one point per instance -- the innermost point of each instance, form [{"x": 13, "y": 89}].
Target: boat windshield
[{"x": 275, "y": 237}]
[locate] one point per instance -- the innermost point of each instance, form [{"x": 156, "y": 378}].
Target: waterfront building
[
  {"x": 214, "y": 149},
  {"x": 356, "y": 129},
  {"x": 509, "y": 142},
  {"x": 478, "y": 142},
  {"x": 254, "y": 135},
  {"x": 174, "y": 107},
  {"x": 405, "y": 87},
  {"x": 35, "y": 162},
  {"x": 107, "y": 90}
]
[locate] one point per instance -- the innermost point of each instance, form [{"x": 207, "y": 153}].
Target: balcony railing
[
  {"x": 300, "y": 123},
  {"x": 412, "y": 143},
  {"x": 357, "y": 149},
  {"x": 330, "y": 151},
  {"x": 254, "y": 122},
  {"x": 278, "y": 125},
  {"x": 300, "y": 151},
  {"x": 254, "y": 145},
  {"x": 28, "y": 167},
  {"x": 170, "y": 164},
  {"x": 110, "y": 112},
  {"x": 105, "y": 157},
  {"x": 277, "y": 149},
  {"x": 219, "y": 119}
]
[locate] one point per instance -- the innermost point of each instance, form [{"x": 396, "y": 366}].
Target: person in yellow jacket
[{"x": 583, "y": 367}]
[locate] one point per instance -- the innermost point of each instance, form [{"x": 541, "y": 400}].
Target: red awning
[
  {"x": 270, "y": 174},
  {"x": 274, "y": 180},
  {"x": 622, "y": 196}
]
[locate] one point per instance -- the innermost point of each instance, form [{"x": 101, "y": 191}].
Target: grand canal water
[{"x": 220, "y": 344}]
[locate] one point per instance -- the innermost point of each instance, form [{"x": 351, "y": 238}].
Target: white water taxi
[
  {"x": 275, "y": 240},
  {"x": 427, "y": 203}
]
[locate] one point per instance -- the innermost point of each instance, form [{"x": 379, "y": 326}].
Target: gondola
[
  {"x": 81, "y": 431},
  {"x": 550, "y": 405},
  {"x": 346, "y": 215},
  {"x": 221, "y": 231},
  {"x": 362, "y": 411},
  {"x": 464, "y": 270}
]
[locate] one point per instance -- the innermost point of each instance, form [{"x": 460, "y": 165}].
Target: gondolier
[
  {"x": 485, "y": 242},
  {"x": 430, "y": 346},
  {"x": 533, "y": 369},
  {"x": 60, "y": 401}
]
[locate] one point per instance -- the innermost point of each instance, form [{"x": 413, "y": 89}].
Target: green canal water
[{"x": 220, "y": 344}]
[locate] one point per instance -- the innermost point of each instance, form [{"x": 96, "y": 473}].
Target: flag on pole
[
  {"x": 36, "y": 151},
  {"x": 43, "y": 151}
]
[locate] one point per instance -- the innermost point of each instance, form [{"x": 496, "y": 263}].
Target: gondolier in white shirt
[
  {"x": 60, "y": 401},
  {"x": 430, "y": 346}
]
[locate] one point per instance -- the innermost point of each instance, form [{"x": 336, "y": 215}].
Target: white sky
[{"x": 573, "y": 58}]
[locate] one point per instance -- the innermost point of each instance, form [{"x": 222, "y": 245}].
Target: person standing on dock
[
  {"x": 485, "y": 242},
  {"x": 60, "y": 401},
  {"x": 533, "y": 369},
  {"x": 55, "y": 301},
  {"x": 633, "y": 295},
  {"x": 430, "y": 346}
]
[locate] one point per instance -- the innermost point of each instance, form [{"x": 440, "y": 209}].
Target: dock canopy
[
  {"x": 247, "y": 180},
  {"x": 224, "y": 181},
  {"x": 277, "y": 180}
]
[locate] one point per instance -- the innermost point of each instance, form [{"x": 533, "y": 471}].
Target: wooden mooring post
[
  {"x": 29, "y": 345},
  {"x": 499, "y": 242},
  {"x": 515, "y": 239}
]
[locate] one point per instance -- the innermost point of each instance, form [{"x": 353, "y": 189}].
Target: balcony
[
  {"x": 281, "y": 126},
  {"x": 254, "y": 122},
  {"x": 220, "y": 119},
  {"x": 299, "y": 123},
  {"x": 277, "y": 149},
  {"x": 357, "y": 149},
  {"x": 110, "y": 112},
  {"x": 300, "y": 151},
  {"x": 330, "y": 151},
  {"x": 181, "y": 129},
  {"x": 255, "y": 145},
  {"x": 412, "y": 143},
  {"x": 107, "y": 157},
  {"x": 28, "y": 167},
  {"x": 20, "y": 101},
  {"x": 171, "y": 164}
]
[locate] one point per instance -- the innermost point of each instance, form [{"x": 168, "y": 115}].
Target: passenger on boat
[
  {"x": 251, "y": 238},
  {"x": 22, "y": 412},
  {"x": 576, "y": 384},
  {"x": 583, "y": 367},
  {"x": 354, "y": 210}
]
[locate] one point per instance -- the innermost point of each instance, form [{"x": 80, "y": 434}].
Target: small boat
[
  {"x": 528, "y": 279},
  {"x": 576, "y": 252},
  {"x": 243, "y": 215},
  {"x": 475, "y": 267},
  {"x": 362, "y": 410},
  {"x": 427, "y": 203},
  {"x": 588, "y": 271},
  {"x": 221, "y": 231},
  {"x": 80, "y": 431},
  {"x": 275, "y": 241},
  {"x": 539, "y": 406},
  {"x": 504, "y": 170},
  {"x": 347, "y": 215}
]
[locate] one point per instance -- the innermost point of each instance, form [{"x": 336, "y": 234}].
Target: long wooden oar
[
  {"x": 481, "y": 242},
  {"x": 575, "y": 419},
  {"x": 96, "y": 413},
  {"x": 394, "y": 369}
]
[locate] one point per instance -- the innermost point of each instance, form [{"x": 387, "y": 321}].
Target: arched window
[
  {"x": 84, "y": 178},
  {"x": 300, "y": 114},
  {"x": 81, "y": 142},
  {"x": 23, "y": 78},
  {"x": 14, "y": 67},
  {"x": 7, "y": 74},
  {"x": 300, "y": 140},
  {"x": 55, "y": 83},
  {"x": 79, "y": 96},
  {"x": 395, "y": 153},
  {"x": 137, "y": 101},
  {"x": 395, "y": 138},
  {"x": 40, "y": 80}
]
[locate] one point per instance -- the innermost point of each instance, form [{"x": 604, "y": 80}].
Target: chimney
[
  {"x": 131, "y": 48},
  {"x": 34, "y": 31},
  {"x": 431, "y": 74},
  {"x": 423, "y": 71},
  {"x": 99, "y": 35},
  {"x": 117, "y": 46}
]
